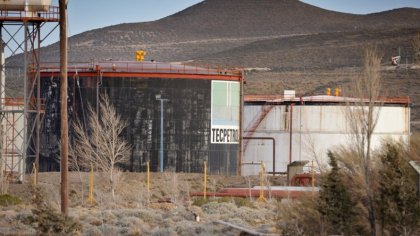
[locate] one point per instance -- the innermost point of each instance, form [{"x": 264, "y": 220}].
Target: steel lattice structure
[{"x": 21, "y": 39}]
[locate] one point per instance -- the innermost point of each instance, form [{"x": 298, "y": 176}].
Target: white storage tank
[
  {"x": 25, "y": 5},
  {"x": 307, "y": 127}
]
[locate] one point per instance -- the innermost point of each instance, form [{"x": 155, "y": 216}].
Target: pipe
[
  {"x": 274, "y": 149},
  {"x": 162, "y": 100},
  {"x": 251, "y": 163}
]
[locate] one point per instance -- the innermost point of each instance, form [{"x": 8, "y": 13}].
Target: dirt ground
[{"x": 166, "y": 210}]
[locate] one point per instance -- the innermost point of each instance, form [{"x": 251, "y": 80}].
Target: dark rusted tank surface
[{"x": 200, "y": 116}]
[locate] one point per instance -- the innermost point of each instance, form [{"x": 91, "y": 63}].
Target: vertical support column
[{"x": 63, "y": 107}]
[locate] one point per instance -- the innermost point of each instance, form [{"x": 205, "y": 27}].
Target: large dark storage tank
[{"x": 201, "y": 115}]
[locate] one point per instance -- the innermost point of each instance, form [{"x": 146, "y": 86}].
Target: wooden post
[
  {"x": 63, "y": 108},
  {"x": 148, "y": 176},
  {"x": 38, "y": 103}
]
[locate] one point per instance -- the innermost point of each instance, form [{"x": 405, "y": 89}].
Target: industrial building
[
  {"x": 305, "y": 128},
  {"x": 200, "y": 109}
]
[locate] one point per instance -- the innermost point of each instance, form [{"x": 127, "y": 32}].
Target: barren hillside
[{"x": 217, "y": 25}]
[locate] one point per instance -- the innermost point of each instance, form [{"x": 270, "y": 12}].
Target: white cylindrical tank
[
  {"x": 25, "y": 5},
  {"x": 306, "y": 130}
]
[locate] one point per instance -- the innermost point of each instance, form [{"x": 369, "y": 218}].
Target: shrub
[
  {"x": 243, "y": 202},
  {"x": 47, "y": 220},
  {"x": 299, "y": 217},
  {"x": 9, "y": 200},
  {"x": 200, "y": 201},
  {"x": 239, "y": 202},
  {"x": 164, "y": 232},
  {"x": 224, "y": 199}
]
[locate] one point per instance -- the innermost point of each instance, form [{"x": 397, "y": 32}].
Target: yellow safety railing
[{"x": 261, "y": 198}]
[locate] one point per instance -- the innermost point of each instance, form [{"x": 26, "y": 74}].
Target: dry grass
[
  {"x": 11, "y": 221},
  {"x": 134, "y": 211}
]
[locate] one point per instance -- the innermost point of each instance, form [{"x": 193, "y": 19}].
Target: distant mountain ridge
[{"x": 214, "y": 26}]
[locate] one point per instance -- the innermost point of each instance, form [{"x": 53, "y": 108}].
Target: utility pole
[
  {"x": 38, "y": 106},
  {"x": 64, "y": 136}
]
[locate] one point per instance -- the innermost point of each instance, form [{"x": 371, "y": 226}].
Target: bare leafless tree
[
  {"x": 100, "y": 142},
  {"x": 316, "y": 152},
  {"x": 362, "y": 116}
]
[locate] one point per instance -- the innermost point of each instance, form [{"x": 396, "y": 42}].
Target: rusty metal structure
[
  {"x": 21, "y": 111},
  {"x": 201, "y": 112}
]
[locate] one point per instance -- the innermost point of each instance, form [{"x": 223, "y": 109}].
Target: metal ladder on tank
[{"x": 250, "y": 130}]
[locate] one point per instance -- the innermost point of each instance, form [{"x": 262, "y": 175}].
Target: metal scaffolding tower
[{"x": 21, "y": 108}]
